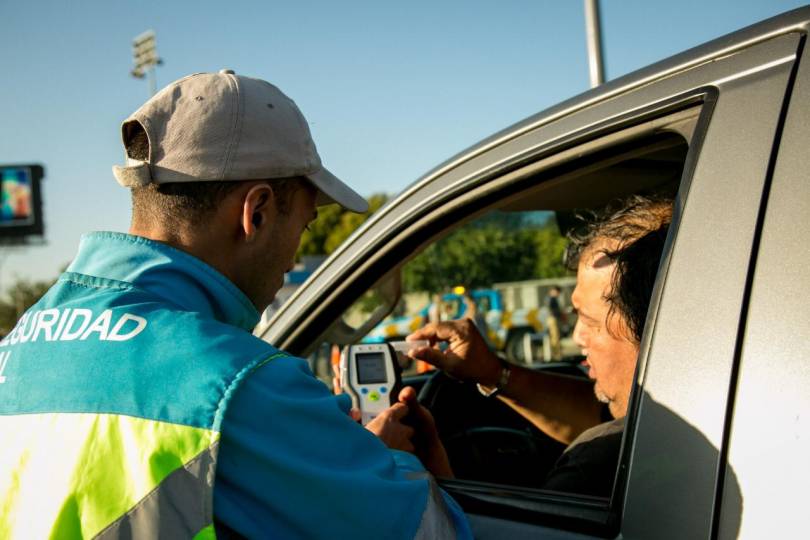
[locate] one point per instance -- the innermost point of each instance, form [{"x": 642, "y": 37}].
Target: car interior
[{"x": 495, "y": 452}]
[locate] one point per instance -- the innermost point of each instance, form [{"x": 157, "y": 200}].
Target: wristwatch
[{"x": 503, "y": 380}]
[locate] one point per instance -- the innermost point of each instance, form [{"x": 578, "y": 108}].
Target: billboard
[{"x": 20, "y": 202}]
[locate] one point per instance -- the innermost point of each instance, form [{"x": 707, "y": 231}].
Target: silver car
[{"x": 717, "y": 442}]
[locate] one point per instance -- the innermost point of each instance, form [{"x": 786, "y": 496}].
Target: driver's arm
[{"x": 562, "y": 407}]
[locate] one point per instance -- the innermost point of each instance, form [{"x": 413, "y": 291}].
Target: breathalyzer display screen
[{"x": 370, "y": 367}]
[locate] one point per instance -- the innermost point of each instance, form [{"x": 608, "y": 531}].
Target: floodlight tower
[{"x": 144, "y": 53}]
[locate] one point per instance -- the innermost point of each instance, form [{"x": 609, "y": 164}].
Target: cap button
[{"x": 227, "y": 72}]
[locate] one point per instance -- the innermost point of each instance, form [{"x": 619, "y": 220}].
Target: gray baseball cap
[{"x": 223, "y": 126}]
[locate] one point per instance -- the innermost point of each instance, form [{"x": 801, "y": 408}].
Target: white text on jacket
[{"x": 71, "y": 324}]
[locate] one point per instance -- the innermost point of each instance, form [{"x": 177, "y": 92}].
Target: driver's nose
[{"x": 577, "y": 335}]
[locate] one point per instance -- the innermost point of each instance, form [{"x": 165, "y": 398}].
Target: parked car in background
[{"x": 718, "y": 429}]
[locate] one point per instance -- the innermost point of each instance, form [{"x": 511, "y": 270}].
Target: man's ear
[{"x": 258, "y": 210}]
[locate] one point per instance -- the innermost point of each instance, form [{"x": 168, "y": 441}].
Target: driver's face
[{"x": 609, "y": 355}]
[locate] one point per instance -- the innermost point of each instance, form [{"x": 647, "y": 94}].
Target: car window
[
  {"x": 705, "y": 125},
  {"x": 492, "y": 253},
  {"x": 496, "y": 270},
  {"x": 497, "y": 267}
]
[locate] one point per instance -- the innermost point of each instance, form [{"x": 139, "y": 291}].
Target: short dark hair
[
  {"x": 633, "y": 279},
  {"x": 635, "y": 229},
  {"x": 191, "y": 203}
]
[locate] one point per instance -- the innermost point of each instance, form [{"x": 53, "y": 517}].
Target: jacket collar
[{"x": 169, "y": 273}]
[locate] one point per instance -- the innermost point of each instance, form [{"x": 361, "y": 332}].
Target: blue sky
[{"x": 390, "y": 89}]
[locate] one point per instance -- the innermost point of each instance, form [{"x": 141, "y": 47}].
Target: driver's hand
[{"x": 467, "y": 356}]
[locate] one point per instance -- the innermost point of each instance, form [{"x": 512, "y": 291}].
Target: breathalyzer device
[{"x": 371, "y": 375}]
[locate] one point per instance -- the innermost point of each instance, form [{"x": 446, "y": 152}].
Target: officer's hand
[
  {"x": 429, "y": 448},
  {"x": 467, "y": 356},
  {"x": 388, "y": 426}
]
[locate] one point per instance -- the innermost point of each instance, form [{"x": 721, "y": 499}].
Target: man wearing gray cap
[{"x": 140, "y": 404}]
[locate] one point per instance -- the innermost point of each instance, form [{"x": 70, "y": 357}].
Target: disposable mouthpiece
[{"x": 405, "y": 346}]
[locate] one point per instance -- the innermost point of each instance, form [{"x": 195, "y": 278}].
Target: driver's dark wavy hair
[
  {"x": 634, "y": 278},
  {"x": 635, "y": 230}
]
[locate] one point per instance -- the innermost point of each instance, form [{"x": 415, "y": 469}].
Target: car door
[
  {"x": 725, "y": 101},
  {"x": 769, "y": 433},
  {"x": 676, "y": 474}
]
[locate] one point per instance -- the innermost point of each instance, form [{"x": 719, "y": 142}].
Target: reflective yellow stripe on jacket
[{"x": 90, "y": 475}]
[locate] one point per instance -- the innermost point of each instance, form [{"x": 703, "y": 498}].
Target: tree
[
  {"x": 550, "y": 247},
  {"x": 313, "y": 241},
  {"x": 474, "y": 257},
  {"x": 334, "y": 225},
  {"x": 20, "y": 296},
  {"x": 500, "y": 247},
  {"x": 497, "y": 247}
]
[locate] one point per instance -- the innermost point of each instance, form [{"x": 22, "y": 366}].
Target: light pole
[
  {"x": 144, "y": 53},
  {"x": 593, "y": 30}
]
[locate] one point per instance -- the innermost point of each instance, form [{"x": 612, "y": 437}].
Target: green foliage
[
  {"x": 20, "y": 296},
  {"x": 334, "y": 225},
  {"x": 550, "y": 248},
  {"x": 498, "y": 247},
  {"x": 474, "y": 257},
  {"x": 314, "y": 239},
  {"x": 501, "y": 247}
]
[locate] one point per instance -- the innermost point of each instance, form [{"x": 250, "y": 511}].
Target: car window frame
[
  {"x": 692, "y": 500},
  {"x": 569, "y": 511},
  {"x": 502, "y": 170},
  {"x": 576, "y": 513}
]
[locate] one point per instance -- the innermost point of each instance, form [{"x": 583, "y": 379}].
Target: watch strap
[{"x": 503, "y": 380}]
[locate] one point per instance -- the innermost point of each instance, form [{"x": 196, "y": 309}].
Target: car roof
[{"x": 797, "y": 20}]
